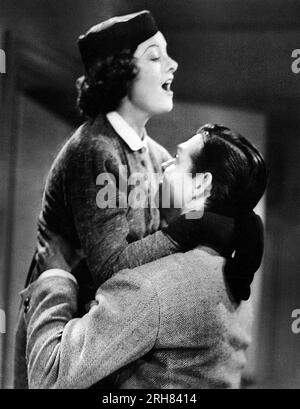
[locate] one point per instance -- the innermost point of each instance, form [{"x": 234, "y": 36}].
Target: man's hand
[{"x": 55, "y": 252}]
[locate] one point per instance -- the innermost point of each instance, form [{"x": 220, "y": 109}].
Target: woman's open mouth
[{"x": 166, "y": 86}]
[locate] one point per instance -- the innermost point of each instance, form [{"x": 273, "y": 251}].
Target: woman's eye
[{"x": 154, "y": 58}]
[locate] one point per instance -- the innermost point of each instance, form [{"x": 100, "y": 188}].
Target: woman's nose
[
  {"x": 173, "y": 65},
  {"x": 168, "y": 163}
]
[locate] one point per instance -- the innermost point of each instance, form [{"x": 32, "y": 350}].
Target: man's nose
[{"x": 168, "y": 163}]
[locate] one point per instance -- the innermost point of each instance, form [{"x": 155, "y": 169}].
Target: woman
[
  {"x": 175, "y": 322},
  {"x": 128, "y": 75},
  {"x": 128, "y": 79}
]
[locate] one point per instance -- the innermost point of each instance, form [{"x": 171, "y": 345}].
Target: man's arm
[
  {"x": 68, "y": 352},
  {"x": 104, "y": 232}
]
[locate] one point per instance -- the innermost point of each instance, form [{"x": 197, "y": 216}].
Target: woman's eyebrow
[
  {"x": 164, "y": 46},
  {"x": 152, "y": 45}
]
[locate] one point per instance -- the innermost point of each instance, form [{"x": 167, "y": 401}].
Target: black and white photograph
[{"x": 149, "y": 197}]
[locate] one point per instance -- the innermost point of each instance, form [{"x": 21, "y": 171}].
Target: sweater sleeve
[{"x": 103, "y": 230}]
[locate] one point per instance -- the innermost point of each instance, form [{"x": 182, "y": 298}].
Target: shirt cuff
[{"x": 57, "y": 272}]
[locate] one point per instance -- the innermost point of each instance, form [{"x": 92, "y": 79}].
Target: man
[{"x": 172, "y": 323}]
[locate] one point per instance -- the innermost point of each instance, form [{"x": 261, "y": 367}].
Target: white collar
[{"x": 126, "y": 132}]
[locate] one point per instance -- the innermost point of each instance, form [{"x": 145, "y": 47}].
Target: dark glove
[
  {"x": 244, "y": 235},
  {"x": 212, "y": 229}
]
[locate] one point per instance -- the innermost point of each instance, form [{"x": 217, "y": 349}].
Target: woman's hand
[{"x": 55, "y": 252}]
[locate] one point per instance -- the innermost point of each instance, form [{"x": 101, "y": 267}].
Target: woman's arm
[{"x": 104, "y": 232}]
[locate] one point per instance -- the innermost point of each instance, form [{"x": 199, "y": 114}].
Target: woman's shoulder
[
  {"x": 89, "y": 146},
  {"x": 93, "y": 139},
  {"x": 93, "y": 134}
]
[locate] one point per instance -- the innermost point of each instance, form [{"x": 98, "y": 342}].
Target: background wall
[
  {"x": 234, "y": 67},
  {"x": 3, "y": 167},
  {"x": 40, "y": 134}
]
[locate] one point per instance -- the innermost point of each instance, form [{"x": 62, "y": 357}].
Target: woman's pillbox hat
[{"x": 116, "y": 34}]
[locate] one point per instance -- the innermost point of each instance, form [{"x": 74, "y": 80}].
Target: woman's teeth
[{"x": 167, "y": 85}]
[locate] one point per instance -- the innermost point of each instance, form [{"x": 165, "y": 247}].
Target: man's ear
[{"x": 203, "y": 184}]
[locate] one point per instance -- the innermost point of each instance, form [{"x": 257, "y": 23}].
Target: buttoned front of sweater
[{"x": 110, "y": 237}]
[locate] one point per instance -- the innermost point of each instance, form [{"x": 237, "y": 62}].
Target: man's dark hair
[
  {"x": 239, "y": 181},
  {"x": 105, "y": 84},
  {"x": 238, "y": 170}
]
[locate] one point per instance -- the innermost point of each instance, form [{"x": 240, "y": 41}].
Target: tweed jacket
[
  {"x": 168, "y": 324},
  {"x": 113, "y": 238}
]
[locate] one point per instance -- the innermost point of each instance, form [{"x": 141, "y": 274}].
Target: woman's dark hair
[
  {"x": 106, "y": 83},
  {"x": 239, "y": 181}
]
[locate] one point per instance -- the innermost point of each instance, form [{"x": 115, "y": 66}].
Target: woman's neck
[{"x": 135, "y": 118}]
